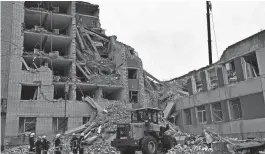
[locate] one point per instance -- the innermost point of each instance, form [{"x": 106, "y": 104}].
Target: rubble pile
[
  {"x": 184, "y": 149},
  {"x": 117, "y": 113},
  {"x": 17, "y": 150},
  {"x": 101, "y": 147},
  {"x": 105, "y": 79},
  {"x": 105, "y": 125}
]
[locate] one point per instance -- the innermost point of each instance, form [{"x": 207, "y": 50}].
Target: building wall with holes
[
  {"x": 250, "y": 91},
  {"x": 44, "y": 107}
]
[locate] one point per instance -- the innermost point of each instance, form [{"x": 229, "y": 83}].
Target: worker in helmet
[
  {"x": 45, "y": 145},
  {"x": 74, "y": 143},
  {"x": 81, "y": 143},
  {"x": 57, "y": 144},
  {"x": 31, "y": 142},
  {"x": 38, "y": 145}
]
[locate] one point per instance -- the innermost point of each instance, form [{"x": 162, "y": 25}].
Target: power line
[{"x": 215, "y": 37}]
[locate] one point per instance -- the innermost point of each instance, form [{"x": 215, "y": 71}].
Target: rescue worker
[
  {"x": 38, "y": 146},
  {"x": 57, "y": 144},
  {"x": 81, "y": 144},
  {"x": 208, "y": 138},
  {"x": 45, "y": 145},
  {"x": 74, "y": 144},
  {"x": 31, "y": 142}
]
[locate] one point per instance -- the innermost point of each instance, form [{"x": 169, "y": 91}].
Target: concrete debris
[
  {"x": 180, "y": 149},
  {"x": 57, "y": 78},
  {"x": 96, "y": 69},
  {"x": 97, "y": 134}
]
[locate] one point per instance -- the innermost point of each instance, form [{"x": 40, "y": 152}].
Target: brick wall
[
  {"x": 14, "y": 86},
  {"x": 6, "y": 28}
]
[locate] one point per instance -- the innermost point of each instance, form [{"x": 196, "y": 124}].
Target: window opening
[
  {"x": 217, "y": 112},
  {"x": 29, "y": 92},
  {"x": 133, "y": 95},
  {"x": 201, "y": 113},
  {"x": 132, "y": 73}
]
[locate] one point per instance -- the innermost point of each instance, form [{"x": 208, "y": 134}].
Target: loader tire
[
  {"x": 168, "y": 142},
  {"x": 149, "y": 145}
]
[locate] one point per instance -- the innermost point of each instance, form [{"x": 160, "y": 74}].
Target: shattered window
[
  {"x": 132, "y": 73},
  {"x": 29, "y": 92},
  {"x": 217, "y": 112},
  {"x": 250, "y": 65},
  {"x": 134, "y": 117},
  {"x": 213, "y": 78},
  {"x": 133, "y": 95},
  {"x": 187, "y": 114},
  {"x": 27, "y": 124},
  {"x": 85, "y": 119},
  {"x": 59, "y": 124},
  {"x": 198, "y": 82},
  {"x": 235, "y": 109},
  {"x": 231, "y": 72},
  {"x": 201, "y": 113}
]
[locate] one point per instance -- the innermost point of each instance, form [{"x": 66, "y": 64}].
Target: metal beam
[
  {"x": 97, "y": 56},
  {"x": 25, "y": 64},
  {"x": 152, "y": 77},
  {"x": 81, "y": 69},
  {"x": 97, "y": 35},
  {"x": 44, "y": 20},
  {"x": 44, "y": 42}
]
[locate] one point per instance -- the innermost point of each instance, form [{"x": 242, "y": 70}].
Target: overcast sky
[{"x": 171, "y": 36}]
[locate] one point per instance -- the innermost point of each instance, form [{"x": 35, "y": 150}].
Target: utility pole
[{"x": 208, "y": 8}]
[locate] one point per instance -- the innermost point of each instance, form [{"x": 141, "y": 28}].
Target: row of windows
[
  {"x": 250, "y": 70},
  {"x": 59, "y": 124},
  {"x": 216, "y": 110}
]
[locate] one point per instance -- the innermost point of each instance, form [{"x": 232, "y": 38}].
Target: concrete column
[
  {"x": 206, "y": 83},
  {"x": 208, "y": 114},
  {"x": 225, "y": 111},
  {"x": 239, "y": 69},
  {"x": 193, "y": 116},
  {"x": 260, "y": 54},
  {"x": 72, "y": 92},
  {"x": 222, "y": 76},
  {"x": 98, "y": 93},
  {"x": 191, "y": 85},
  {"x": 72, "y": 54}
]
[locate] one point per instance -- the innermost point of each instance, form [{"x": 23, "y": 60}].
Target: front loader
[{"x": 145, "y": 133}]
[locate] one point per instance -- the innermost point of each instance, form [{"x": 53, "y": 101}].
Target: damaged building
[
  {"x": 53, "y": 55},
  {"x": 228, "y": 96}
]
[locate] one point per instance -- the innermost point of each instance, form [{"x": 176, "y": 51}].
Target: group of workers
[{"x": 42, "y": 145}]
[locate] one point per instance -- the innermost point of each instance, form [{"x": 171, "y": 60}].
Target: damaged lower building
[
  {"x": 53, "y": 55},
  {"x": 227, "y": 97}
]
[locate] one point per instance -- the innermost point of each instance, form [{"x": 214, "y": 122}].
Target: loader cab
[{"x": 142, "y": 115}]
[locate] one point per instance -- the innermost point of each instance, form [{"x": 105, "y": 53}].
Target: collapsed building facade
[
  {"x": 53, "y": 55},
  {"x": 228, "y": 96},
  {"x": 56, "y": 53}
]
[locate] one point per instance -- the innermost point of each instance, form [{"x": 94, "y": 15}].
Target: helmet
[
  {"x": 73, "y": 134},
  {"x": 58, "y": 135},
  {"x": 82, "y": 134},
  {"x": 32, "y": 134},
  {"x": 44, "y": 136}
]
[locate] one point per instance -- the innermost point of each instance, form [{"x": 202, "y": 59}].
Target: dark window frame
[
  {"x": 217, "y": 112},
  {"x": 187, "y": 116},
  {"x": 201, "y": 113},
  {"x": 23, "y": 121}
]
